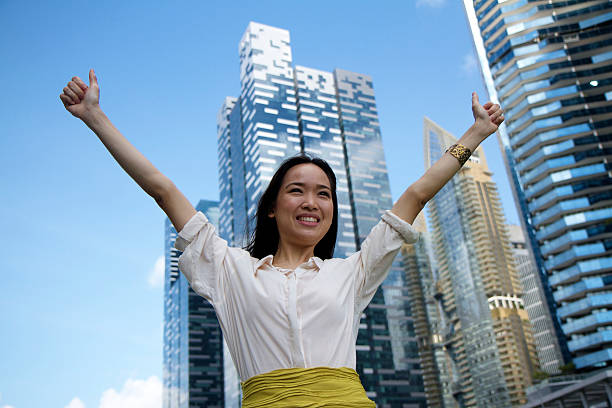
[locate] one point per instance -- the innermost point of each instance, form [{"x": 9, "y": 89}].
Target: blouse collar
[{"x": 313, "y": 263}]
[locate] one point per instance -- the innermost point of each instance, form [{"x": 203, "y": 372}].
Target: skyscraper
[
  {"x": 284, "y": 110},
  {"x": 535, "y": 304},
  {"x": 549, "y": 64},
  {"x": 193, "y": 345},
  {"x": 428, "y": 318},
  {"x": 487, "y": 333}
]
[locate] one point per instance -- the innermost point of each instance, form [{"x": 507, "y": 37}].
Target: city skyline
[{"x": 89, "y": 294}]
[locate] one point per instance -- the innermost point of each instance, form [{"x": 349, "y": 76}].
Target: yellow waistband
[{"x": 305, "y": 387}]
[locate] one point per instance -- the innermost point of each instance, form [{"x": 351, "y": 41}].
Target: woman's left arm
[{"x": 487, "y": 119}]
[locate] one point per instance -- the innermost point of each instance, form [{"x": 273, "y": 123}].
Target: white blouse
[{"x": 276, "y": 318}]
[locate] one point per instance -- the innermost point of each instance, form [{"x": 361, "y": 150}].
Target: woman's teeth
[{"x": 308, "y": 219}]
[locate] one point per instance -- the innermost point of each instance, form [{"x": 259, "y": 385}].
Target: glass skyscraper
[
  {"x": 285, "y": 110},
  {"x": 535, "y": 304},
  {"x": 549, "y": 63},
  {"x": 194, "y": 366},
  {"x": 484, "y": 328},
  {"x": 428, "y": 314}
]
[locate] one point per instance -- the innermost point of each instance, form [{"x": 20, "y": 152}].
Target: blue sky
[{"x": 81, "y": 309}]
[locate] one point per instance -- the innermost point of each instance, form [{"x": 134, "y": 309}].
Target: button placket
[
  {"x": 296, "y": 349},
  {"x": 298, "y": 290}
]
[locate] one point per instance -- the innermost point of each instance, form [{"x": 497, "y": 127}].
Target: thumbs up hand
[
  {"x": 487, "y": 117},
  {"x": 78, "y": 98}
]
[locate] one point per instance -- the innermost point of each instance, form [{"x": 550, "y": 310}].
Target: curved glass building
[{"x": 549, "y": 64}]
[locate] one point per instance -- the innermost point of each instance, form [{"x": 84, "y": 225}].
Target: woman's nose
[{"x": 309, "y": 202}]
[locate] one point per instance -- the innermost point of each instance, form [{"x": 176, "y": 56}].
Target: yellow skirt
[{"x": 305, "y": 388}]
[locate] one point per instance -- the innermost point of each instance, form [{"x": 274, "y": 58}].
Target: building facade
[
  {"x": 535, "y": 304},
  {"x": 194, "y": 367},
  {"x": 284, "y": 110},
  {"x": 486, "y": 332},
  {"x": 429, "y": 318},
  {"x": 549, "y": 63}
]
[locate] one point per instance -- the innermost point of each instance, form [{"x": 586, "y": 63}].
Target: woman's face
[{"x": 304, "y": 208}]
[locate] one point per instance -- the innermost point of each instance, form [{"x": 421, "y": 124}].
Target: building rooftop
[{"x": 586, "y": 390}]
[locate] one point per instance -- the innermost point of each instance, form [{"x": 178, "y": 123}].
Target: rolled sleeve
[
  {"x": 203, "y": 252},
  {"x": 190, "y": 230},
  {"x": 377, "y": 253},
  {"x": 406, "y": 231}
]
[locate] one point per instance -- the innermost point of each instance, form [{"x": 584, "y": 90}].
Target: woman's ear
[{"x": 271, "y": 213}]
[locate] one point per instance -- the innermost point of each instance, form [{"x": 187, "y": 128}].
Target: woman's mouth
[{"x": 308, "y": 220}]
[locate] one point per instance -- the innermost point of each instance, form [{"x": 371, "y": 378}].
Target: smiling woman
[
  {"x": 297, "y": 179},
  {"x": 289, "y": 311}
]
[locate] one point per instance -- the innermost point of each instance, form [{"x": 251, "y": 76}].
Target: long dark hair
[{"x": 265, "y": 238}]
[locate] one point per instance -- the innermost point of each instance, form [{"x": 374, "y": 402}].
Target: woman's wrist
[
  {"x": 472, "y": 137},
  {"x": 93, "y": 116}
]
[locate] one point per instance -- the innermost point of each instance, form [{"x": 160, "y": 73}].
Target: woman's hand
[
  {"x": 83, "y": 102},
  {"x": 487, "y": 117},
  {"x": 80, "y": 99}
]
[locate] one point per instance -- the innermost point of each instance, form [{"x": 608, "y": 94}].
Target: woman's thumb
[
  {"x": 92, "y": 78},
  {"x": 474, "y": 98}
]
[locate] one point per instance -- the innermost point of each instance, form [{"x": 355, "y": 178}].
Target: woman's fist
[{"x": 78, "y": 98}]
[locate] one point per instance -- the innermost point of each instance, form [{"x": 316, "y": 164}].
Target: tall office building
[
  {"x": 428, "y": 316},
  {"x": 488, "y": 333},
  {"x": 194, "y": 364},
  {"x": 283, "y": 110},
  {"x": 549, "y": 63},
  {"x": 535, "y": 304}
]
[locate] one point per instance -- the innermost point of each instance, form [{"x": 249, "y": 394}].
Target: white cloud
[
  {"x": 134, "y": 394},
  {"x": 469, "y": 64},
  {"x": 8, "y": 406},
  {"x": 156, "y": 274},
  {"x": 75, "y": 403},
  {"x": 430, "y": 3}
]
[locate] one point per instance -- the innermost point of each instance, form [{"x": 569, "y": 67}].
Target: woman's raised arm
[
  {"x": 82, "y": 101},
  {"x": 487, "y": 119}
]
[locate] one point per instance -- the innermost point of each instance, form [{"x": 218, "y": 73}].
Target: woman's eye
[
  {"x": 295, "y": 190},
  {"x": 324, "y": 193}
]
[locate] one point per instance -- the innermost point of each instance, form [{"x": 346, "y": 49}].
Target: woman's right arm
[{"x": 82, "y": 101}]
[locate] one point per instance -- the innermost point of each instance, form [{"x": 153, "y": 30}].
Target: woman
[{"x": 289, "y": 311}]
